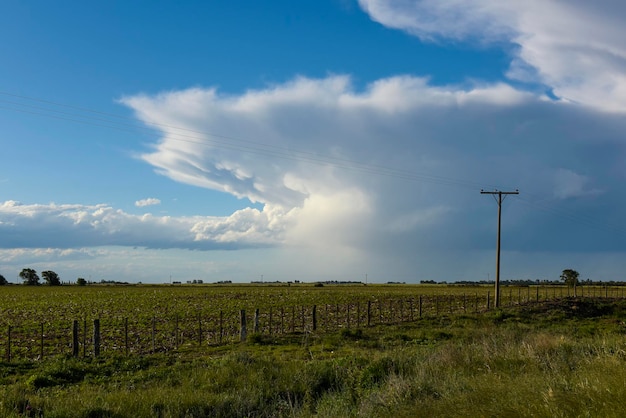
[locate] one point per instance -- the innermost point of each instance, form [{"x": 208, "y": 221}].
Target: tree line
[{"x": 31, "y": 278}]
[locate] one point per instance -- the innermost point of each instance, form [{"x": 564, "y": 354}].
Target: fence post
[
  {"x": 488, "y": 298},
  {"x": 243, "y": 330},
  {"x": 75, "y": 338},
  {"x": 153, "y": 335},
  {"x": 464, "y": 305},
  {"x": 221, "y": 326},
  {"x": 9, "y": 344},
  {"x": 420, "y": 306},
  {"x": 293, "y": 319},
  {"x": 369, "y": 313},
  {"x": 270, "y": 321},
  {"x": 126, "y": 335},
  {"x": 314, "y": 314},
  {"x": 437, "y": 305},
  {"x": 41, "y": 346},
  {"x": 84, "y": 337},
  {"x": 96, "y": 337},
  {"x": 537, "y": 293},
  {"x": 282, "y": 320},
  {"x": 176, "y": 339},
  {"x": 411, "y": 309},
  {"x": 200, "y": 329},
  {"x": 303, "y": 318},
  {"x": 348, "y": 316},
  {"x": 256, "y": 320},
  {"x": 358, "y": 314}
]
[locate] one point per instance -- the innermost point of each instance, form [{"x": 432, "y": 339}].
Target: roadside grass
[{"x": 556, "y": 359}]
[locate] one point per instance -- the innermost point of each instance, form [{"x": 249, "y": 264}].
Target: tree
[
  {"x": 570, "y": 277},
  {"x": 51, "y": 278},
  {"x": 81, "y": 282},
  {"x": 3, "y": 281},
  {"x": 30, "y": 277}
]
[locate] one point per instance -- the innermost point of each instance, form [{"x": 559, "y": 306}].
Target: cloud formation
[
  {"x": 75, "y": 226},
  {"x": 393, "y": 168},
  {"x": 147, "y": 202},
  {"x": 573, "y": 47}
]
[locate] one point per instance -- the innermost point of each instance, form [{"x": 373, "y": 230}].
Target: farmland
[{"x": 427, "y": 351}]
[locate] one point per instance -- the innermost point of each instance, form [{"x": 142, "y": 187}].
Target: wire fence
[{"x": 92, "y": 337}]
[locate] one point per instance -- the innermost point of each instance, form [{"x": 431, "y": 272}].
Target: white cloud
[
  {"x": 372, "y": 167},
  {"x": 574, "y": 47},
  {"x": 72, "y": 226},
  {"x": 147, "y": 202}
]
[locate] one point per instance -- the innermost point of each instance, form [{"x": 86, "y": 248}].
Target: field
[{"x": 375, "y": 350}]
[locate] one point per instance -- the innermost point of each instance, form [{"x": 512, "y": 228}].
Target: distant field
[
  {"x": 19, "y": 304},
  {"x": 44, "y": 321}
]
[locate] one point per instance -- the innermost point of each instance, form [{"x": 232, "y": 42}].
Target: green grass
[{"x": 556, "y": 359}]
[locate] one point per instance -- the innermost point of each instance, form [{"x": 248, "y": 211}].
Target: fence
[{"x": 123, "y": 335}]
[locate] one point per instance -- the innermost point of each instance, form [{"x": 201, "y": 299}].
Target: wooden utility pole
[{"x": 499, "y": 199}]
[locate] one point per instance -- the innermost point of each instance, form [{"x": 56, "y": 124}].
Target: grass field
[{"x": 559, "y": 357}]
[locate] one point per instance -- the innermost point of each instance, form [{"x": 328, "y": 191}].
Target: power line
[{"x": 501, "y": 195}]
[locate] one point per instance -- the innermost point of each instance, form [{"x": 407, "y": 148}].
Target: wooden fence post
[
  {"x": 256, "y": 320},
  {"x": 221, "y": 326},
  {"x": 75, "y": 338},
  {"x": 303, "y": 318},
  {"x": 420, "y": 306},
  {"x": 9, "y": 344},
  {"x": 176, "y": 333},
  {"x": 537, "y": 293},
  {"x": 126, "y": 335},
  {"x": 411, "y": 309},
  {"x": 369, "y": 313},
  {"x": 41, "y": 343},
  {"x": 437, "y": 305},
  {"x": 282, "y": 320},
  {"x": 488, "y": 298},
  {"x": 84, "y": 336},
  {"x": 243, "y": 332},
  {"x": 270, "y": 321},
  {"x": 153, "y": 335},
  {"x": 358, "y": 314},
  {"x": 348, "y": 316},
  {"x": 314, "y": 314},
  {"x": 200, "y": 329},
  {"x": 96, "y": 337}
]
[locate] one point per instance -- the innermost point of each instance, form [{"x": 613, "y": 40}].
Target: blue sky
[{"x": 311, "y": 140}]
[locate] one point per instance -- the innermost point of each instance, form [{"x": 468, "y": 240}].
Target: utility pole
[{"x": 499, "y": 199}]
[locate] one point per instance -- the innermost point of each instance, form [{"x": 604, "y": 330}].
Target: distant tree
[
  {"x": 51, "y": 278},
  {"x": 81, "y": 282},
  {"x": 570, "y": 277},
  {"x": 3, "y": 281},
  {"x": 30, "y": 277}
]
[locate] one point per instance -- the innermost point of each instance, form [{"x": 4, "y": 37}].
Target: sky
[{"x": 314, "y": 140}]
